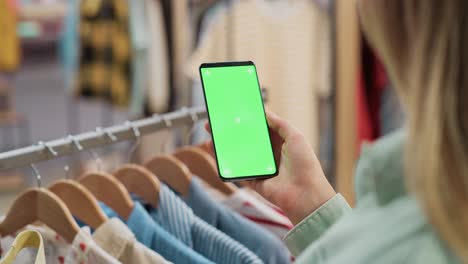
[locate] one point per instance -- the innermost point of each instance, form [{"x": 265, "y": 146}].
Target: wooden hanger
[
  {"x": 80, "y": 201},
  {"x": 140, "y": 181},
  {"x": 171, "y": 171},
  {"x": 203, "y": 165},
  {"x": 39, "y": 204},
  {"x": 110, "y": 191},
  {"x": 208, "y": 149}
]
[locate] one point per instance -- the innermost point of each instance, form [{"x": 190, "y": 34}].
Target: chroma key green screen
[{"x": 237, "y": 118}]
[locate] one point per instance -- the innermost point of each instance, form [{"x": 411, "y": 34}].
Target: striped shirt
[
  {"x": 179, "y": 220},
  {"x": 155, "y": 237},
  {"x": 265, "y": 245}
]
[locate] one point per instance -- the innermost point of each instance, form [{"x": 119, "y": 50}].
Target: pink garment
[{"x": 259, "y": 212}]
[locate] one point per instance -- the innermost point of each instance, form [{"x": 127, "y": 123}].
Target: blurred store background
[{"x": 69, "y": 66}]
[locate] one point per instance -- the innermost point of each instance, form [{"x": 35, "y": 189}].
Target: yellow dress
[
  {"x": 9, "y": 42},
  {"x": 26, "y": 239}
]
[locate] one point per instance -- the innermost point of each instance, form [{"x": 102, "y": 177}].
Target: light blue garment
[
  {"x": 139, "y": 39},
  {"x": 177, "y": 218},
  {"x": 265, "y": 245},
  {"x": 152, "y": 235},
  {"x": 69, "y": 43}
]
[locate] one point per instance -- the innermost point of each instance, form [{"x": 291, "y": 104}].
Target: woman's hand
[{"x": 300, "y": 187}]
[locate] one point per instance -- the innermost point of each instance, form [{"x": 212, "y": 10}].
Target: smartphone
[{"x": 238, "y": 123}]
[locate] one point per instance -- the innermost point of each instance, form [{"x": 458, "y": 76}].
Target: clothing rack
[{"x": 101, "y": 137}]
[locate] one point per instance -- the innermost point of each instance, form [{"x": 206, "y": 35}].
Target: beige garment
[
  {"x": 83, "y": 249},
  {"x": 289, "y": 41},
  {"x": 161, "y": 142},
  {"x": 182, "y": 39},
  {"x": 158, "y": 62},
  {"x": 115, "y": 238},
  {"x": 26, "y": 239}
]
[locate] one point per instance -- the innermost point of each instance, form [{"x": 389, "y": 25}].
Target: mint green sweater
[{"x": 387, "y": 225}]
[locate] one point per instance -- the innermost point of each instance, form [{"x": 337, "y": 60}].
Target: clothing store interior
[{"x": 102, "y": 123}]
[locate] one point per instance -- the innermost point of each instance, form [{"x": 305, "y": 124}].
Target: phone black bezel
[{"x": 231, "y": 64}]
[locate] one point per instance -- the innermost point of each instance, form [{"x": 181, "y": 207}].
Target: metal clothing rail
[{"x": 101, "y": 137}]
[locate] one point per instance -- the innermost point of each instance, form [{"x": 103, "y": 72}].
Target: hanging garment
[
  {"x": 158, "y": 65},
  {"x": 177, "y": 218},
  {"x": 85, "y": 250},
  {"x": 116, "y": 239},
  {"x": 26, "y": 239},
  {"x": 372, "y": 80},
  {"x": 69, "y": 44},
  {"x": 57, "y": 251},
  {"x": 289, "y": 41},
  {"x": 258, "y": 212},
  {"x": 326, "y": 5},
  {"x": 269, "y": 204},
  {"x": 213, "y": 192},
  {"x": 153, "y": 236},
  {"x": 182, "y": 45},
  {"x": 378, "y": 108},
  {"x": 55, "y": 247},
  {"x": 140, "y": 43},
  {"x": 262, "y": 243},
  {"x": 105, "y": 55},
  {"x": 10, "y": 45}
]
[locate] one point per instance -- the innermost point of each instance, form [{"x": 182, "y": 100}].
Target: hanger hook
[
  {"x": 48, "y": 148},
  {"x": 191, "y": 113},
  {"x": 168, "y": 125},
  {"x": 55, "y": 154},
  {"x": 75, "y": 142},
  {"x": 106, "y": 132},
  {"x": 80, "y": 148},
  {"x": 137, "y": 134},
  {"x": 136, "y": 131},
  {"x": 167, "y": 122},
  {"x": 36, "y": 173},
  {"x": 195, "y": 119}
]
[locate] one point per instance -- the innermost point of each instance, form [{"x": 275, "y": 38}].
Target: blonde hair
[{"x": 423, "y": 44}]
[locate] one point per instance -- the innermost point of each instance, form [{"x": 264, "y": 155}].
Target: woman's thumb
[{"x": 281, "y": 126}]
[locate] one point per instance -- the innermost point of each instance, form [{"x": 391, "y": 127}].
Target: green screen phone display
[{"x": 237, "y": 118}]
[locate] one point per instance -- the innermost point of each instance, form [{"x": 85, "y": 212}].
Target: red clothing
[{"x": 372, "y": 80}]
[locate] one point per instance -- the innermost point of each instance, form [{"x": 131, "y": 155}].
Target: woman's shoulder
[
  {"x": 430, "y": 249},
  {"x": 379, "y": 170},
  {"x": 385, "y": 151},
  {"x": 396, "y": 233},
  {"x": 410, "y": 237}
]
